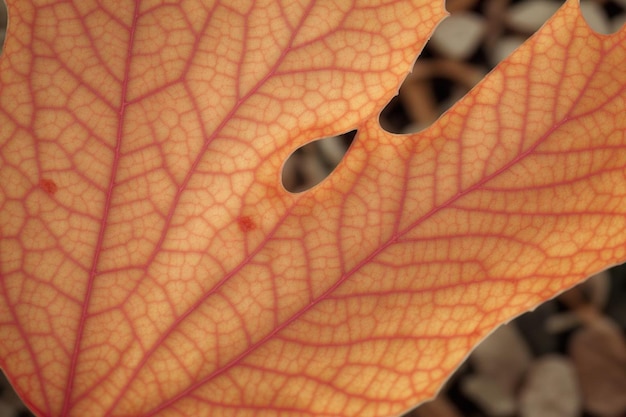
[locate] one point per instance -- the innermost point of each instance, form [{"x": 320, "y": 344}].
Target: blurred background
[{"x": 568, "y": 357}]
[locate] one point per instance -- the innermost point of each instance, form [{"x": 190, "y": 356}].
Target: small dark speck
[
  {"x": 48, "y": 186},
  {"x": 246, "y": 223}
]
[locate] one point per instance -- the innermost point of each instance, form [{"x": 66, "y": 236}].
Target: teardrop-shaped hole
[
  {"x": 4, "y": 20},
  {"x": 310, "y": 164}
]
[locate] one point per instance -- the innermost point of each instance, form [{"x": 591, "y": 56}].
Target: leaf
[
  {"x": 599, "y": 355},
  {"x": 551, "y": 389},
  {"x": 152, "y": 263}
]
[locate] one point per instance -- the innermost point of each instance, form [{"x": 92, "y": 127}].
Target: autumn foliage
[{"x": 151, "y": 263}]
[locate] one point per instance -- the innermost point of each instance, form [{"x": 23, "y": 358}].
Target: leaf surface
[{"x": 152, "y": 263}]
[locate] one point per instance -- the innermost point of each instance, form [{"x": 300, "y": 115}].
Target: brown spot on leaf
[
  {"x": 48, "y": 186},
  {"x": 246, "y": 223}
]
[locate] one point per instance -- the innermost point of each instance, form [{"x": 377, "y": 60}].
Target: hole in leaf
[
  {"x": 308, "y": 165},
  {"x": 4, "y": 19}
]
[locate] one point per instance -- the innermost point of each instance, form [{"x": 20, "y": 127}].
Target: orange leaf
[{"x": 152, "y": 263}]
